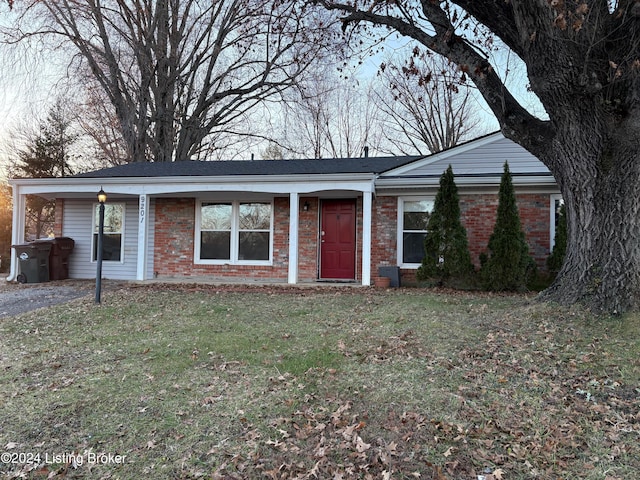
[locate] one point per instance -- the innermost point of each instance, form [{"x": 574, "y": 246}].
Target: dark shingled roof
[{"x": 253, "y": 167}]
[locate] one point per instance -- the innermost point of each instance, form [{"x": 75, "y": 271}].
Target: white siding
[
  {"x": 77, "y": 224},
  {"x": 151, "y": 215}
]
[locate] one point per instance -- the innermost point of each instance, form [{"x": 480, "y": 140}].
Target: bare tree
[
  {"x": 331, "y": 117},
  {"x": 177, "y": 71},
  {"x": 583, "y": 62},
  {"x": 424, "y": 106},
  {"x": 99, "y": 121},
  {"x": 272, "y": 152}
]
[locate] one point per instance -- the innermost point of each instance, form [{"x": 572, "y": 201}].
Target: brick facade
[
  {"x": 384, "y": 248},
  {"x": 478, "y": 215},
  {"x": 479, "y": 212},
  {"x": 175, "y": 231},
  {"x": 174, "y": 247},
  {"x": 308, "y": 234}
]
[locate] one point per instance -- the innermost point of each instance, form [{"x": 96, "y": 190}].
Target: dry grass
[{"x": 213, "y": 382}]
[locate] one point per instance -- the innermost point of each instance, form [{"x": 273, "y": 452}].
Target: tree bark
[{"x": 600, "y": 184}]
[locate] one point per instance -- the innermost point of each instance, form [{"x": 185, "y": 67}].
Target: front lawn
[{"x": 182, "y": 382}]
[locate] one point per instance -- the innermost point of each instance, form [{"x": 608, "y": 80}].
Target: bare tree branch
[
  {"x": 424, "y": 107},
  {"x": 175, "y": 71}
]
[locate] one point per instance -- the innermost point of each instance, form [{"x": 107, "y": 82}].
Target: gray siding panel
[
  {"x": 77, "y": 225},
  {"x": 151, "y": 213},
  {"x": 484, "y": 159}
]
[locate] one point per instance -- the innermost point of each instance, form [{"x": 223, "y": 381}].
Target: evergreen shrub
[
  {"x": 508, "y": 265},
  {"x": 447, "y": 260}
]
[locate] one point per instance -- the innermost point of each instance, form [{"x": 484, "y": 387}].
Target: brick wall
[
  {"x": 478, "y": 214},
  {"x": 359, "y": 226},
  {"x": 384, "y": 249},
  {"x": 174, "y": 243},
  {"x": 174, "y": 247},
  {"x": 308, "y": 239}
]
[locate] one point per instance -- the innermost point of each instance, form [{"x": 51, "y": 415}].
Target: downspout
[{"x": 17, "y": 229}]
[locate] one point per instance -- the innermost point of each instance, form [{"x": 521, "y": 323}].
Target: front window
[
  {"x": 113, "y": 231},
  {"x": 234, "y": 232},
  {"x": 413, "y": 228}
]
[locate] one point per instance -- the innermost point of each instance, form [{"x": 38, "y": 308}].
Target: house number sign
[{"x": 143, "y": 206}]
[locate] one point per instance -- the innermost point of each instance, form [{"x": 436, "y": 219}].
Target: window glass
[
  {"x": 235, "y": 231},
  {"x": 215, "y": 245},
  {"x": 215, "y": 216},
  {"x": 255, "y": 216},
  {"x": 413, "y": 247},
  {"x": 415, "y": 218},
  {"x": 113, "y": 230},
  {"x": 416, "y": 215},
  {"x": 253, "y": 246}
]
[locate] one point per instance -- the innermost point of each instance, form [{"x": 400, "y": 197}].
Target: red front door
[{"x": 338, "y": 240}]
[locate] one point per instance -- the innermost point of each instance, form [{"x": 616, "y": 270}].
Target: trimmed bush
[
  {"x": 508, "y": 265},
  {"x": 447, "y": 259}
]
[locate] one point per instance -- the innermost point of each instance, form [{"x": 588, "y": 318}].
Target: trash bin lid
[
  {"x": 65, "y": 243},
  {"x": 42, "y": 245}
]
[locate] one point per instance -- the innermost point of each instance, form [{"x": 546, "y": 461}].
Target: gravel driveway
[{"x": 19, "y": 298}]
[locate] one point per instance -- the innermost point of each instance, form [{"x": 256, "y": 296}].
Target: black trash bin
[
  {"x": 33, "y": 260},
  {"x": 61, "y": 248}
]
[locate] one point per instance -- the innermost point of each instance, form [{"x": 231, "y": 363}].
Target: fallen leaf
[{"x": 361, "y": 446}]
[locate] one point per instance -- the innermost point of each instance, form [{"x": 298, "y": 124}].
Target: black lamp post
[{"x": 102, "y": 198}]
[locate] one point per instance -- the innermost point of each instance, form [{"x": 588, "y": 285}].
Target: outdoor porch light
[
  {"x": 102, "y": 198},
  {"x": 306, "y": 206}
]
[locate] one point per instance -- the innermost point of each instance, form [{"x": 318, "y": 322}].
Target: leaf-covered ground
[{"x": 330, "y": 383}]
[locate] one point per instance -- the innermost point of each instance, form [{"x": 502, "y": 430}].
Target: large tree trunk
[{"x": 600, "y": 181}]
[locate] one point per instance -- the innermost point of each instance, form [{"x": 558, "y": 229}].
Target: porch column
[
  {"x": 366, "y": 237},
  {"x": 293, "y": 237},
  {"x": 17, "y": 228},
  {"x": 143, "y": 236}
]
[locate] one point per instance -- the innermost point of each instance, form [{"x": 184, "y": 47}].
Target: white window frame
[
  {"x": 94, "y": 227},
  {"x": 235, "y": 235},
  {"x": 552, "y": 219},
  {"x": 400, "y": 226}
]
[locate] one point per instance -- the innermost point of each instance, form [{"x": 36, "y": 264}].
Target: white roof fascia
[
  {"x": 185, "y": 184},
  {"x": 436, "y": 157}
]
